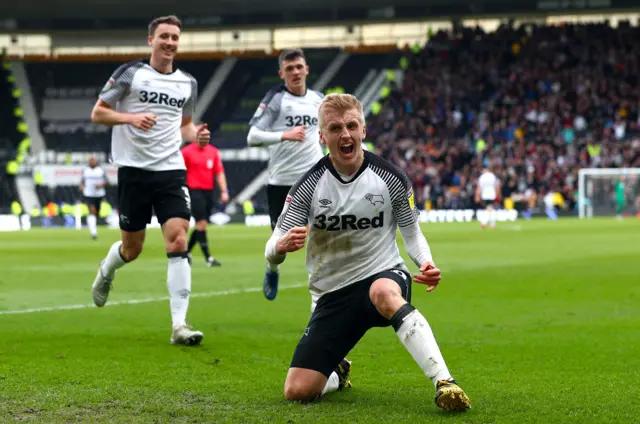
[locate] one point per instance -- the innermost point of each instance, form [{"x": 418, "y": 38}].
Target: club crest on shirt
[
  {"x": 374, "y": 198},
  {"x": 209, "y": 163}
]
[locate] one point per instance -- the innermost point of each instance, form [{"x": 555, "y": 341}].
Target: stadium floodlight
[{"x": 597, "y": 191}]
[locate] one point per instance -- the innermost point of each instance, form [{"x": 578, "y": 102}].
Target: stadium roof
[
  {"x": 148, "y": 8},
  {"x": 121, "y": 14}
]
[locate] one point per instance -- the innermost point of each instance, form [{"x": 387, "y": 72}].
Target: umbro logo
[
  {"x": 324, "y": 203},
  {"x": 374, "y": 198}
]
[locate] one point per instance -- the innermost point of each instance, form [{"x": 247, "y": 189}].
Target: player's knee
[
  {"x": 299, "y": 390},
  {"x": 131, "y": 251},
  {"x": 177, "y": 243},
  {"x": 385, "y": 294},
  {"x": 175, "y": 235},
  {"x": 201, "y": 225}
]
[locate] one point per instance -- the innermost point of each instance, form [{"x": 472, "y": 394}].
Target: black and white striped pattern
[
  {"x": 119, "y": 83},
  {"x": 297, "y": 213},
  {"x": 399, "y": 189}
]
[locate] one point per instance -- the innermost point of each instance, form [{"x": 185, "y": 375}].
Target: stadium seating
[
  {"x": 534, "y": 103},
  {"x": 9, "y": 136},
  {"x": 358, "y": 65}
]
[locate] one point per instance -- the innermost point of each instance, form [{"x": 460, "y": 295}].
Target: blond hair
[{"x": 339, "y": 103}]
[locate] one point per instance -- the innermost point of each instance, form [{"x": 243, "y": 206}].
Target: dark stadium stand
[
  {"x": 9, "y": 137},
  {"x": 65, "y": 93},
  {"x": 358, "y": 65}
]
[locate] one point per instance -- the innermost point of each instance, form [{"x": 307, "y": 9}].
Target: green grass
[{"x": 538, "y": 321}]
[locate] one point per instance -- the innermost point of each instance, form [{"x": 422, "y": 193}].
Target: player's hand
[
  {"x": 224, "y": 197},
  {"x": 429, "y": 276},
  {"x": 292, "y": 241},
  {"x": 203, "y": 135},
  {"x": 143, "y": 121},
  {"x": 296, "y": 134}
]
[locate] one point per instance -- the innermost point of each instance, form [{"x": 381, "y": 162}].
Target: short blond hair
[{"x": 339, "y": 103}]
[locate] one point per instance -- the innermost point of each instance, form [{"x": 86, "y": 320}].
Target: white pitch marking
[{"x": 146, "y": 300}]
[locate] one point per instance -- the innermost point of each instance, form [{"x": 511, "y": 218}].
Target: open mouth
[{"x": 347, "y": 148}]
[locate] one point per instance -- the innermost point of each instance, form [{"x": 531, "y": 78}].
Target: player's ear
[
  {"x": 149, "y": 40},
  {"x": 280, "y": 74},
  {"x": 364, "y": 132},
  {"x": 322, "y": 140}
]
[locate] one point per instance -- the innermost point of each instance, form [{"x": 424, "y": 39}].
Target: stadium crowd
[{"x": 533, "y": 103}]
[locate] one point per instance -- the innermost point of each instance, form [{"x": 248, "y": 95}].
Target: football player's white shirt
[
  {"x": 91, "y": 178},
  {"x": 353, "y": 223},
  {"x": 136, "y": 87},
  {"x": 488, "y": 184},
  {"x": 280, "y": 110}
]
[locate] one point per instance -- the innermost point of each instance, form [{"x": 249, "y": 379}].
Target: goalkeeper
[{"x": 620, "y": 200}]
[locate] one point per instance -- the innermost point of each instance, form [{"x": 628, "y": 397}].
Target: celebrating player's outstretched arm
[
  {"x": 429, "y": 275},
  {"x": 292, "y": 241}
]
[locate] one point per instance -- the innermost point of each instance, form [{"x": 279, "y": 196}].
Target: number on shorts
[
  {"x": 400, "y": 273},
  {"x": 187, "y": 197}
]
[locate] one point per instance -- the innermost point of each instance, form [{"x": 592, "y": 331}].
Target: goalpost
[{"x": 597, "y": 191}]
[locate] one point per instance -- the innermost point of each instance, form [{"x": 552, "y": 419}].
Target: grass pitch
[{"x": 538, "y": 321}]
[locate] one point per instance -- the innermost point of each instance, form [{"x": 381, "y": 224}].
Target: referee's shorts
[{"x": 201, "y": 204}]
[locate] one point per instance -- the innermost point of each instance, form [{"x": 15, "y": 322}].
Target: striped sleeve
[
  {"x": 400, "y": 191},
  {"x": 268, "y": 110},
  {"x": 297, "y": 208},
  {"x": 119, "y": 83}
]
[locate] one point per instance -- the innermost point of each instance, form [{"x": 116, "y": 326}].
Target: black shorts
[
  {"x": 339, "y": 321},
  {"x": 93, "y": 201},
  {"x": 201, "y": 204},
  {"x": 141, "y": 192},
  {"x": 276, "y": 195}
]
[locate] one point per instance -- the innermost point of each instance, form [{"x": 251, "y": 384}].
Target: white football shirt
[
  {"x": 91, "y": 179},
  {"x": 136, "y": 87},
  {"x": 488, "y": 185},
  {"x": 280, "y": 110},
  {"x": 353, "y": 223}
]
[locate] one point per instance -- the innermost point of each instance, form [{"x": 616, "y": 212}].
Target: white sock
[
  {"x": 483, "y": 217},
  {"x": 91, "y": 223},
  {"x": 416, "y": 335},
  {"x": 273, "y": 267},
  {"x": 113, "y": 261},
  {"x": 332, "y": 384},
  {"x": 492, "y": 218},
  {"x": 179, "y": 285}
]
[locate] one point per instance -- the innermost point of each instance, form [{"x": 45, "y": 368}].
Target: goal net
[{"x": 609, "y": 192}]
